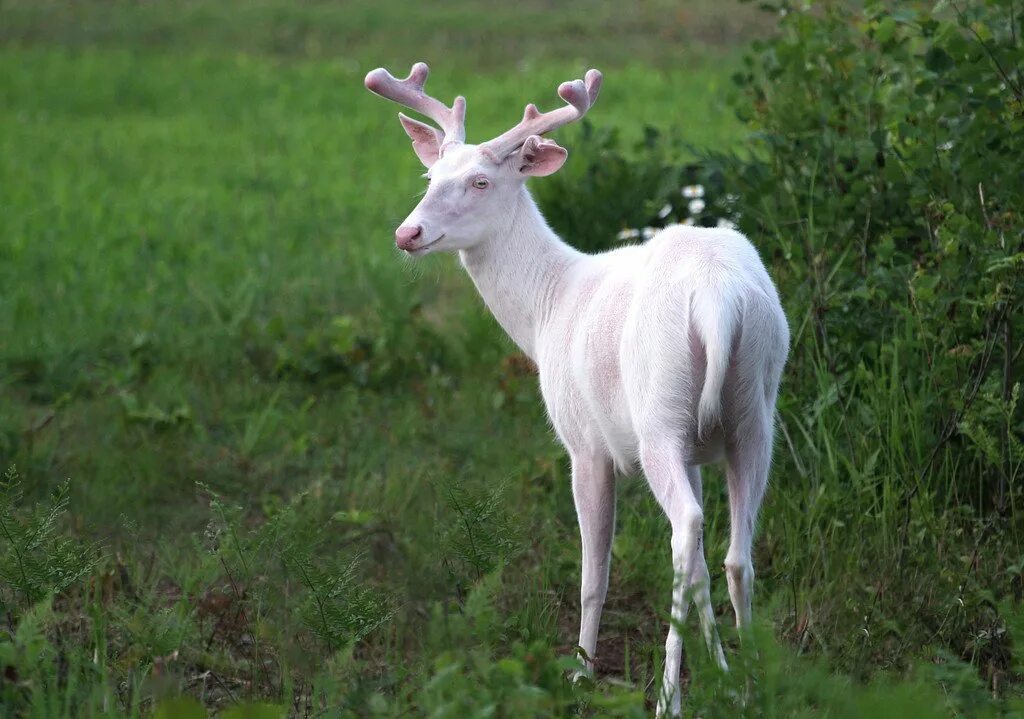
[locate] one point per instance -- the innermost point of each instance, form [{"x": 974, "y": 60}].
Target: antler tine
[
  {"x": 579, "y": 95},
  {"x": 409, "y": 92}
]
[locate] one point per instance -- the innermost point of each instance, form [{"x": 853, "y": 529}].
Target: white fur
[{"x": 665, "y": 355}]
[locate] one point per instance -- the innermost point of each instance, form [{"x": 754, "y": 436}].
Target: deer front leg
[{"x": 593, "y": 491}]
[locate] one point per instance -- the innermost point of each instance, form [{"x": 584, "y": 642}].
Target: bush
[
  {"x": 37, "y": 560},
  {"x": 883, "y": 187},
  {"x": 886, "y": 139}
]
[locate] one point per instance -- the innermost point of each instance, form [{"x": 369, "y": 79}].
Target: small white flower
[
  {"x": 692, "y": 191},
  {"x": 696, "y": 207},
  {"x": 946, "y": 146},
  {"x": 628, "y": 234},
  {"x": 727, "y": 224},
  {"x": 649, "y": 232},
  {"x": 665, "y": 211},
  {"x": 688, "y": 221}
]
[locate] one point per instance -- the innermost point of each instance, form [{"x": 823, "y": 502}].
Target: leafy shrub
[
  {"x": 480, "y": 536},
  {"x": 37, "y": 559},
  {"x": 882, "y": 185},
  {"x": 370, "y": 353},
  {"x": 881, "y": 189},
  {"x": 334, "y": 605},
  {"x": 886, "y": 138}
]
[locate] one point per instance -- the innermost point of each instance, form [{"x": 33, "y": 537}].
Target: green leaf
[
  {"x": 180, "y": 708},
  {"x": 938, "y": 60},
  {"x": 885, "y": 30}
]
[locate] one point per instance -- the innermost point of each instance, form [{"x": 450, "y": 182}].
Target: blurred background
[{"x": 257, "y": 461}]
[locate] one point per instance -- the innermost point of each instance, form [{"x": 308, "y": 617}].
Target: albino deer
[{"x": 666, "y": 354}]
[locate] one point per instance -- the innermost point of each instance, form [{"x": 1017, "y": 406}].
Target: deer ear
[
  {"x": 426, "y": 140},
  {"x": 539, "y": 157}
]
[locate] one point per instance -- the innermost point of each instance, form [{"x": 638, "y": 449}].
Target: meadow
[{"x": 254, "y": 454}]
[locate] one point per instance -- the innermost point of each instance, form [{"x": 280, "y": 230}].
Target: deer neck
[{"x": 520, "y": 272}]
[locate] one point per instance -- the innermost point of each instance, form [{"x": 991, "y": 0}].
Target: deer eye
[{"x": 481, "y": 183}]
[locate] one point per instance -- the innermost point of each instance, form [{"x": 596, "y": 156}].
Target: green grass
[
  {"x": 462, "y": 32},
  {"x": 202, "y": 309},
  {"x": 205, "y": 213}
]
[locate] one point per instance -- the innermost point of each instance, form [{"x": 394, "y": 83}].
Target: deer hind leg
[
  {"x": 747, "y": 474},
  {"x": 672, "y": 486},
  {"x": 700, "y": 583}
]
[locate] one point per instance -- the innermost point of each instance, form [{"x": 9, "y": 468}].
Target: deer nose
[{"x": 406, "y": 236}]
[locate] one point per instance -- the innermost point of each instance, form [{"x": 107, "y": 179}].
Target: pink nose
[{"x": 406, "y": 236}]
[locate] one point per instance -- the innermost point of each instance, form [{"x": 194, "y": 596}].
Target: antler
[
  {"x": 409, "y": 92},
  {"x": 579, "y": 94}
]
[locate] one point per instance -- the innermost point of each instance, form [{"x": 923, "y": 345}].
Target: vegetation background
[{"x": 258, "y": 463}]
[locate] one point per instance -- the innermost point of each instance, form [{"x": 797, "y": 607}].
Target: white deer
[{"x": 666, "y": 354}]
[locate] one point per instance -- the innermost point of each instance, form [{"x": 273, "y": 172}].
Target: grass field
[
  {"x": 210, "y": 210},
  {"x": 285, "y": 437}
]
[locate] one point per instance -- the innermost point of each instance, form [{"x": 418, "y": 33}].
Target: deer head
[{"x": 472, "y": 187}]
